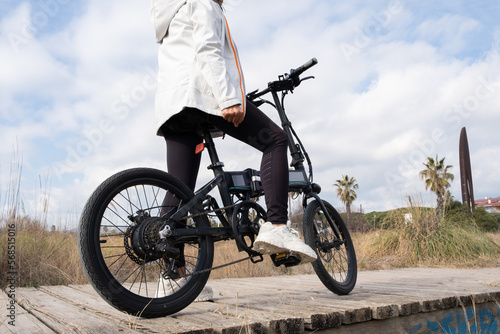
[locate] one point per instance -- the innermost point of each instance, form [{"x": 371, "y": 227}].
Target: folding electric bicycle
[{"x": 132, "y": 240}]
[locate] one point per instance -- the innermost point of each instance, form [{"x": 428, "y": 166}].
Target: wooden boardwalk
[{"x": 412, "y": 300}]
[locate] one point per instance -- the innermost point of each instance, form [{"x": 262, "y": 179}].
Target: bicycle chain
[
  {"x": 218, "y": 267},
  {"x": 209, "y": 211},
  {"x": 222, "y": 265}
]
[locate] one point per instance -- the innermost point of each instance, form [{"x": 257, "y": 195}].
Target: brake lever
[
  {"x": 251, "y": 95},
  {"x": 296, "y": 83},
  {"x": 307, "y": 78},
  {"x": 258, "y": 103}
]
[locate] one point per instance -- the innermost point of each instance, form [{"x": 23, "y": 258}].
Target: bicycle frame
[{"x": 310, "y": 190}]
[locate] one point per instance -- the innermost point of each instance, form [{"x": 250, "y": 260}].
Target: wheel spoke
[
  {"x": 136, "y": 270},
  {"x": 336, "y": 264},
  {"x": 120, "y": 256},
  {"x": 124, "y": 217}
]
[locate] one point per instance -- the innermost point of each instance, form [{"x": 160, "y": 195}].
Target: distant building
[{"x": 492, "y": 205}]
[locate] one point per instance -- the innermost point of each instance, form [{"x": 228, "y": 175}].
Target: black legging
[{"x": 258, "y": 131}]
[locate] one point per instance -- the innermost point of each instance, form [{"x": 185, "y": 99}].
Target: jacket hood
[{"x": 162, "y": 13}]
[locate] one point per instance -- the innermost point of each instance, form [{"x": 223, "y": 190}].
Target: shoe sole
[{"x": 266, "y": 248}]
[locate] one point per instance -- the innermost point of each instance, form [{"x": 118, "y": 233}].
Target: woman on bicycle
[{"x": 200, "y": 81}]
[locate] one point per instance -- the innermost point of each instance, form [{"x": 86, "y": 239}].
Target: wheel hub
[{"x": 140, "y": 240}]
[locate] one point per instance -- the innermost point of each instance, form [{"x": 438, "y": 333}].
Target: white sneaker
[
  {"x": 167, "y": 287},
  {"x": 278, "y": 239}
]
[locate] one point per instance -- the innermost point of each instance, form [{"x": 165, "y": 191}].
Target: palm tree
[
  {"x": 436, "y": 177},
  {"x": 345, "y": 190}
]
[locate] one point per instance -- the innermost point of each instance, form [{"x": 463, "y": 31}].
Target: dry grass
[
  {"x": 427, "y": 240},
  {"x": 372, "y": 257},
  {"x": 42, "y": 257}
]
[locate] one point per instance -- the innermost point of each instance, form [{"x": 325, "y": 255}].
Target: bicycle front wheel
[
  {"x": 118, "y": 232},
  {"x": 336, "y": 264}
]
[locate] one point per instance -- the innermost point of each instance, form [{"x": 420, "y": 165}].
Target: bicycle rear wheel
[
  {"x": 336, "y": 264},
  {"x": 118, "y": 231}
]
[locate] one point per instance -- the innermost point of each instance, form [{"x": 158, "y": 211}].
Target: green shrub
[
  {"x": 375, "y": 218},
  {"x": 484, "y": 220}
]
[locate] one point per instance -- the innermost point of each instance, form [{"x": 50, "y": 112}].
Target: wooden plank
[
  {"x": 273, "y": 296},
  {"x": 323, "y": 306},
  {"x": 208, "y": 317},
  {"x": 251, "y": 320},
  {"x": 91, "y": 303},
  {"x": 86, "y": 297},
  {"x": 24, "y": 323},
  {"x": 20, "y": 321},
  {"x": 65, "y": 317},
  {"x": 194, "y": 317},
  {"x": 292, "y": 305},
  {"x": 275, "y": 320},
  {"x": 189, "y": 318},
  {"x": 227, "y": 322}
]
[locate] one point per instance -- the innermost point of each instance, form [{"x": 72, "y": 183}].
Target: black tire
[
  {"x": 125, "y": 278},
  {"x": 336, "y": 264}
]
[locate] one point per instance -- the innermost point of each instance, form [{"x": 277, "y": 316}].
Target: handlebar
[
  {"x": 286, "y": 82},
  {"x": 294, "y": 73}
]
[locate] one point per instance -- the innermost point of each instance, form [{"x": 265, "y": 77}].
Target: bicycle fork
[{"x": 335, "y": 229}]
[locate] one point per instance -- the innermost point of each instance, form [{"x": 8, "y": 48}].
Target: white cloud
[{"x": 448, "y": 32}]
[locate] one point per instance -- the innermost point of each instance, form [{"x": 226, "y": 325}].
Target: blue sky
[{"x": 395, "y": 83}]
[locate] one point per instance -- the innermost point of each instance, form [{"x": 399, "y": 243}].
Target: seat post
[
  {"x": 212, "y": 152},
  {"x": 217, "y": 167}
]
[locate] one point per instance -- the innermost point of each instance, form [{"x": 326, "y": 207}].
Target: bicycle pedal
[
  {"x": 256, "y": 259},
  {"x": 289, "y": 259}
]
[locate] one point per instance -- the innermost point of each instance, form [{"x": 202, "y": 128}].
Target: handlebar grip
[{"x": 299, "y": 70}]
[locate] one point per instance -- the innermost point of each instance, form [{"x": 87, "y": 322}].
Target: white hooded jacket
[{"x": 199, "y": 65}]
